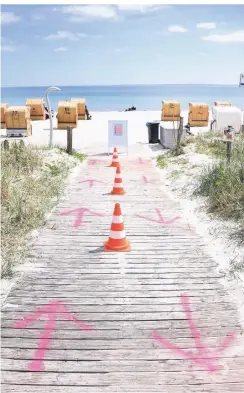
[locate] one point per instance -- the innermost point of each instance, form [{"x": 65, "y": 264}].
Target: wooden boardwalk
[{"x": 124, "y": 297}]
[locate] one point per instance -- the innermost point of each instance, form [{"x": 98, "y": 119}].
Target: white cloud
[
  {"x": 60, "y": 49},
  {"x": 142, "y": 8},
  {"x": 65, "y": 35},
  {"x": 37, "y": 17},
  {"x": 84, "y": 12},
  {"x": 206, "y": 25},
  {"x": 236, "y": 36},
  {"x": 8, "y": 18},
  {"x": 80, "y": 13},
  {"x": 8, "y": 48},
  {"x": 177, "y": 29}
]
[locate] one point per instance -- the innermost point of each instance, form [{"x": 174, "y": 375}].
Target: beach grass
[
  {"x": 162, "y": 161},
  {"x": 30, "y": 188},
  {"x": 210, "y": 144},
  {"x": 223, "y": 185}
]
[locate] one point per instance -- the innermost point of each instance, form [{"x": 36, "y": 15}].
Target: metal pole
[{"x": 50, "y": 113}]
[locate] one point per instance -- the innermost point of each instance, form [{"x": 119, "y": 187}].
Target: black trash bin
[{"x": 153, "y": 132}]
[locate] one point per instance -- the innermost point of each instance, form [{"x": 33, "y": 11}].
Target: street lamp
[{"x": 50, "y": 113}]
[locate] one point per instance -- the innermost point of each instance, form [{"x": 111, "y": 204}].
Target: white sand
[{"x": 93, "y": 134}]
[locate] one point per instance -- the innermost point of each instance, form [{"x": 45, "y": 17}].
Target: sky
[{"x": 121, "y": 44}]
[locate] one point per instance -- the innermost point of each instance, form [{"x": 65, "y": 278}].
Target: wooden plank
[
  {"x": 202, "y": 388},
  {"x": 83, "y": 342},
  {"x": 93, "y": 300},
  {"x": 151, "y": 324},
  {"x": 121, "y": 378},
  {"x": 164, "y": 291},
  {"x": 104, "y": 365},
  {"x": 61, "y": 332},
  {"x": 127, "y": 308},
  {"x": 140, "y": 316}
]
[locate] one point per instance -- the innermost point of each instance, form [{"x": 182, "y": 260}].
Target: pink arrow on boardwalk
[
  {"x": 91, "y": 181},
  {"x": 92, "y": 162},
  {"x": 204, "y": 356},
  {"x": 141, "y": 161},
  {"x": 161, "y": 219},
  {"x": 80, "y": 211},
  {"x": 51, "y": 310},
  {"x": 146, "y": 181},
  {"x": 95, "y": 162}
]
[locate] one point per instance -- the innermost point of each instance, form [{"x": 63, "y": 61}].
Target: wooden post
[
  {"x": 180, "y": 132},
  {"x": 228, "y": 151},
  {"x": 6, "y": 144},
  {"x": 69, "y": 140}
]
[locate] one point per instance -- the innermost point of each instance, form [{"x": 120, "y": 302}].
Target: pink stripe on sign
[{"x": 118, "y": 130}]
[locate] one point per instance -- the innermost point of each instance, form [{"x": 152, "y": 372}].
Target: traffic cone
[
  {"x": 118, "y": 188},
  {"x": 117, "y": 240},
  {"x": 115, "y": 159}
]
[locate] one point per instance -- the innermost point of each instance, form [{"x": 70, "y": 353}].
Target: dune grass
[
  {"x": 30, "y": 187},
  {"x": 223, "y": 185}
]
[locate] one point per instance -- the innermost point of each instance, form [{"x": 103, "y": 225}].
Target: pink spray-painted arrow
[
  {"x": 146, "y": 181},
  {"x": 95, "y": 162},
  {"x": 80, "y": 211},
  {"x": 204, "y": 356},
  {"x": 141, "y": 161},
  {"x": 51, "y": 310},
  {"x": 161, "y": 220},
  {"x": 91, "y": 182}
]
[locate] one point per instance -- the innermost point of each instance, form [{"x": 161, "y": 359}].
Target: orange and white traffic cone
[
  {"x": 115, "y": 159},
  {"x": 118, "y": 188},
  {"x": 117, "y": 240}
]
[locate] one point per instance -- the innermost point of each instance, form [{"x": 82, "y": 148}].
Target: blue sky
[{"x": 112, "y": 44}]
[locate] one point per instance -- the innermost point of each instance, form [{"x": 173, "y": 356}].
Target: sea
[{"x": 119, "y": 98}]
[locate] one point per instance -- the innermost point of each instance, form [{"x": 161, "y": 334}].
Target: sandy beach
[{"x": 93, "y": 134}]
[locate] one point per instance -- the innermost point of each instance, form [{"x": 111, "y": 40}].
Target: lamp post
[{"x": 50, "y": 113}]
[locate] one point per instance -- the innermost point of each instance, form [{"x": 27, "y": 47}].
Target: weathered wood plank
[
  {"x": 109, "y": 354},
  {"x": 88, "y": 342},
  {"x": 121, "y": 378},
  {"x": 202, "y": 388},
  {"x": 127, "y": 308},
  {"x": 104, "y": 365},
  {"x": 129, "y": 332}
]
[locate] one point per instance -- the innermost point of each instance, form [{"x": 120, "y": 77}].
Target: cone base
[
  {"x": 124, "y": 248},
  {"x": 122, "y": 192},
  {"x": 114, "y": 165}
]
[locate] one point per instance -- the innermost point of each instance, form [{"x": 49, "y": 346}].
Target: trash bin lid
[{"x": 152, "y": 122}]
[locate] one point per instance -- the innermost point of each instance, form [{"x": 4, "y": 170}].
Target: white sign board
[
  {"x": 118, "y": 134},
  {"x": 241, "y": 80}
]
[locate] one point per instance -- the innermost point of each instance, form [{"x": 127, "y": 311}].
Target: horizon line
[{"x": 130, "y": 84}]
